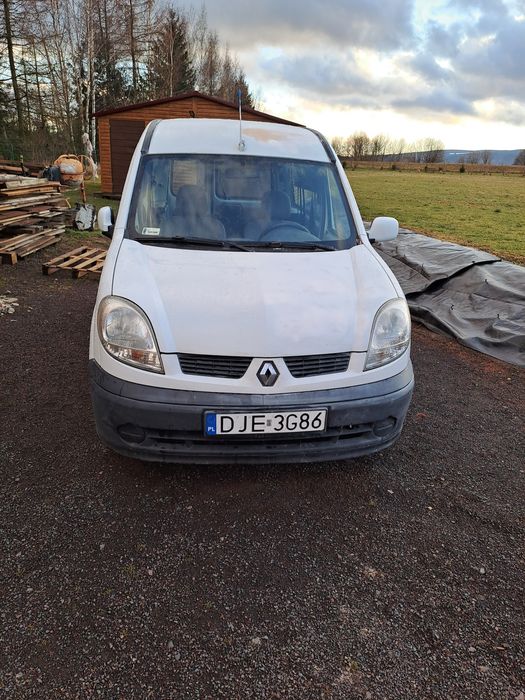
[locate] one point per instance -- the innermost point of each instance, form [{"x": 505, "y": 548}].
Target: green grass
[
  {"x": 483, "y": 211},
  {"x": 92, "y": 197}
]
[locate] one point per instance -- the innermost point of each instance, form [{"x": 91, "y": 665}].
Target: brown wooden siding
[
  {"x": 125, "y": 134},
  {"x": 192, "y": 106},
  {"x": 104, "y": 149}
]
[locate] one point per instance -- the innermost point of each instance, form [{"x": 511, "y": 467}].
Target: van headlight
[
  {"x": 390, "y": 334},
  {"x": 127, "y": 335}
]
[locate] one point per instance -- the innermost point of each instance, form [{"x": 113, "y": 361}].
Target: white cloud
[
  {"x": 341, "y": 23},
  {"x": 436, "y": 63}
]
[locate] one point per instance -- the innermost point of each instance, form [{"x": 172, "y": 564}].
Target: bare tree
[
  {"x": 359, "y": 144},
  {"x": 397, "y": 148},
  {"x": 8, "y": 8},
  {"x": 139, "y": 32},
  {"x": 432, "y": 151},
  {"x": 62, "y": 60},
  {"x": 338, "y": 144},
  {"x": 486, "y": 157},
  {"x": 520, "y": 158},
  {"x": 206, "y": 53},
  {"x": 378, "y": 146}
]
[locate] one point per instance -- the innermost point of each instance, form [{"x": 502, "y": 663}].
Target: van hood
[{"x": 257, "y": 304}]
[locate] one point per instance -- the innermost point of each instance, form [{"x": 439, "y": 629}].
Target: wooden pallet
[
  {"x": 80, "y": 262},
  {"x": 12, "y": 249}
]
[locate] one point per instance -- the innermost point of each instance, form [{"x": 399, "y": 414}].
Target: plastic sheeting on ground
[
  {"x": 419, "y": 260},
  {"x": 466, "y": 293}
]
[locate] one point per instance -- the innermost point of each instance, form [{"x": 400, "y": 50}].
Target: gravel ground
[{"x": 394, "y": 576}]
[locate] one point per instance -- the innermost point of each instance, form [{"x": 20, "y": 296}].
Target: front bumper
[{"x": 167, "y": 425}]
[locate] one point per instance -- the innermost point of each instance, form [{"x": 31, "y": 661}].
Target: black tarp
[
  {"x": 466, "y": 293},
  {"x": 418, "y": 261}
]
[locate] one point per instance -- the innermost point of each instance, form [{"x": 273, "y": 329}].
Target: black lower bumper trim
[{"x": 166, "y": 425}]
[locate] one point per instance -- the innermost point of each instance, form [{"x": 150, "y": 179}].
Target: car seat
[{"x": 192, "y": 216}]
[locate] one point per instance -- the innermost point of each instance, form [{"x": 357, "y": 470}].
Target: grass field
[{"x": 483, "y": 211}]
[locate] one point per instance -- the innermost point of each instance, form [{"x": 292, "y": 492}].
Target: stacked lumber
[
  {"x": 32, "y": 215},
  {"x": 15, "y": 167}
]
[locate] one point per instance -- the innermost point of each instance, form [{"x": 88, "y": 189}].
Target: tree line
[
  {"x": 360, "y": 146},
  {"x": 63, "y": 60}
]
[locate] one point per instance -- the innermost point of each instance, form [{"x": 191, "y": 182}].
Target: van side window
[{"x": 153, "y": 196}]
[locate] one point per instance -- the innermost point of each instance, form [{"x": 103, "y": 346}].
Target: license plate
[{"x": 265, "y": 423}]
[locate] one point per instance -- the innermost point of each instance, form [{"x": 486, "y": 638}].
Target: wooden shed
[{"x": 119, "y": 129}]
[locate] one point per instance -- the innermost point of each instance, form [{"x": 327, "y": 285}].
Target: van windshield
[{"x": 234, "y": 201}]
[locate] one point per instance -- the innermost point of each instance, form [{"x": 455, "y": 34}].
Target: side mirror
[
  {"x": 106, "y": 221},
  {"x": 384, "y": 228}
]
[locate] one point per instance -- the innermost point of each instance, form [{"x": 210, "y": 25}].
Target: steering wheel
[{"x": 282, "y": 224}]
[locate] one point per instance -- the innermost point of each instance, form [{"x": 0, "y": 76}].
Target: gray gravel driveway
[{"x": 395, "y": 576}]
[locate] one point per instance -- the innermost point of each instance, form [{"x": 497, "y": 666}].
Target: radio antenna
[{"x": 242, "y": 145}]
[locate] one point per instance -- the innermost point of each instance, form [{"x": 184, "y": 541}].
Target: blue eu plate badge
[{"x": 211, "y": 424}]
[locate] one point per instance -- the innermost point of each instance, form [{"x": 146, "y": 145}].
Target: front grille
[
  {"x": 214, "y": 365},
  {"x": 312, "y": 365},
  {"x": 235, "y": 367}
]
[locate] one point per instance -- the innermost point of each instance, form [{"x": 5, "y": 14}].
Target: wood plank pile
[
  {"x": 80, "y": 262},
  {"x": 12, "y": 249},
  {"x": 15, "y": 167},
  {"x": 32, "y": 215}
]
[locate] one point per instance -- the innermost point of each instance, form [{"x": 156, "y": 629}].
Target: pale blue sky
[{"x": 453, "y": 70}]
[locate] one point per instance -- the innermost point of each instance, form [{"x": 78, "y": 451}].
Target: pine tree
[
  {"x": 171, "y": 70},
  {"x": 242, "y": 85}
]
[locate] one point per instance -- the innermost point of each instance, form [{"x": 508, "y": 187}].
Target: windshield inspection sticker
[{"x": 149, "y": 231}]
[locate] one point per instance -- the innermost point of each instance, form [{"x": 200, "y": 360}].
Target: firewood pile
[{"x": 32, "y": 215}]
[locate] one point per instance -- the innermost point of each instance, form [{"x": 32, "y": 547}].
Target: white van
[{"x": 242, "y": 314}]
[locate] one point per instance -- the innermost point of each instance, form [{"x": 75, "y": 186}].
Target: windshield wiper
[
  {"x": 297, "y": 245},
  {"x": 191, "y": 240}
]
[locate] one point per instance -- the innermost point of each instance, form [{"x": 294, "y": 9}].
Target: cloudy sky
[{"x": 452, "y": 69}]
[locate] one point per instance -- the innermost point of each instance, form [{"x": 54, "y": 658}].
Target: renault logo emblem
[{"x": 268, "y": 373}]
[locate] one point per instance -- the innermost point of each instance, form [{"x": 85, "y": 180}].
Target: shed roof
[{"x": 186, "y": 95}]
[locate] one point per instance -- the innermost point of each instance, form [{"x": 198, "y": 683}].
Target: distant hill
[
  {"x": 454, "y": 156},
  {"x": 497, "y": 157}
]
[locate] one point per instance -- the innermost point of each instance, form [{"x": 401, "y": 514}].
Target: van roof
[{"x": 221, "y": 136}]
